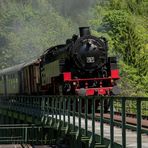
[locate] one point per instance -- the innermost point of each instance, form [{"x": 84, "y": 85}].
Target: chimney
[{"x": 84, "y": 31}]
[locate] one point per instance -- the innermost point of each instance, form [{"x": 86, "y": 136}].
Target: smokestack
[{"x": 84, "y": 31}]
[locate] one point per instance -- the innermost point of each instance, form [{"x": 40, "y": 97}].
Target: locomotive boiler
[{"x": 79, "y": 67}]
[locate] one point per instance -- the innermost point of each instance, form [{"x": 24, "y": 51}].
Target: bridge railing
[
  {"x": 24, "y": 133},
  {"x": 71, "y": 110}
]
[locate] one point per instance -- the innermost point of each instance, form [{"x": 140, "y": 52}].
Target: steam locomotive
[{"x": 81, "y": 66}]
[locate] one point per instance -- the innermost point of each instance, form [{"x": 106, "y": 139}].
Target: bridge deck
[
  {"x": 131, "y": 136},
  {"x": 23, "y": 146},
  {"x": 14, "y": 146}
]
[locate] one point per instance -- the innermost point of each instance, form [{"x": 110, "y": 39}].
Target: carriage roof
[{"x": 15, "y": 68}]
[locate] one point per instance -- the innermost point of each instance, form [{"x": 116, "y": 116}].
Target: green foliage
[
  {"x": 29, "y": 28},
  {"x": 131, "y": 83},
  {"x": 124, "y": 23},
  {"x": 126, "y": 40},
  {"x": 138, "y": 7}
]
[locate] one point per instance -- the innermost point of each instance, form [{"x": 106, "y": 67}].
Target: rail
[{"x": 66, "y": 109}]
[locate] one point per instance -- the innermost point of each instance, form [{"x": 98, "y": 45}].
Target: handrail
[{"x": 67, "y": 108}]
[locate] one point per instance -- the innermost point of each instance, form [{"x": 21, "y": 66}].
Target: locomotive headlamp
[
  {"x": 112, "y": 81},
  {"x": 74, "y": 83}
]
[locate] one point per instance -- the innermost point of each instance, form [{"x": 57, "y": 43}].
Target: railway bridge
[{"x": 66, "y": 121}]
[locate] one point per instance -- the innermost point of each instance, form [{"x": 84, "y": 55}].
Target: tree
[
  {"x": 124, "y": 23},
  {"x": 29, "y": 28}
]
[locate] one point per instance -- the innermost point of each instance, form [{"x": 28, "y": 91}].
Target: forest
[{"x": 28, "y": 27}]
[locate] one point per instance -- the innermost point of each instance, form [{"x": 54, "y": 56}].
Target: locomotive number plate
[{"x": 90, "y": 59}]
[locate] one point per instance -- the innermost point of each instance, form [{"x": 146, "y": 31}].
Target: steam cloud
[{"x": 75, "y": 9}]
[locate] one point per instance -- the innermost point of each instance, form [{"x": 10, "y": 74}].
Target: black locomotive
[{"x": 79, "y": 67}]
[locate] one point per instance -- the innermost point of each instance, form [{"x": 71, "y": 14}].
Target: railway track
[
  {"x": 132, "y": 115},
  {"x": 130, "y": 119}
]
